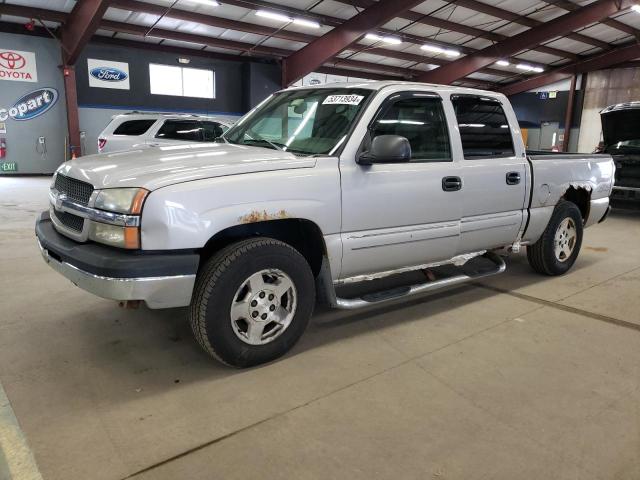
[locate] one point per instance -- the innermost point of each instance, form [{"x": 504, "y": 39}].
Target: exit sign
[{"x": 8, "y": 167}]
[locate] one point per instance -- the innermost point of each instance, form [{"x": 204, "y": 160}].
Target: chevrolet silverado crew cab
[{"x": 316, "y": 192}]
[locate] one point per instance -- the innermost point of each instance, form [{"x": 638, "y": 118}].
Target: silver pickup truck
[{"x": 317, "y": 192}]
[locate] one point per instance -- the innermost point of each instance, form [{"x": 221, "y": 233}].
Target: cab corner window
[
  {"x": 420, "y": 120},
  {"x": 484, "y": 128}
]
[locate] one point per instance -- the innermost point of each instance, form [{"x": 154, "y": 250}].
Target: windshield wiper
[{"x": 275, "y": 146}]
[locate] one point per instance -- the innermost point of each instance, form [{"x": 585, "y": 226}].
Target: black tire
[
  {"x": 217, "y": 284},
  {"x": 542, "y": 256}
]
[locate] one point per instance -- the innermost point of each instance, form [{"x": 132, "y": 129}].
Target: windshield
[{"x": 306, "y": 122}]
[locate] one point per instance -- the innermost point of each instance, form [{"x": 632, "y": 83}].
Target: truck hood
[
  {"x": 154, "y": 168},
  {"x": 620, "y": 125}
]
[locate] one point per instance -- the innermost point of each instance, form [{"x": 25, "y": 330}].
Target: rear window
[
  {"x": 133, "y": 127},
  {"x": 187, "y": 130},
  {"x": 484, "y": 129}
]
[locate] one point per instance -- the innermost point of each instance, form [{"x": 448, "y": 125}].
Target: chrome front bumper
[
  {"x": 160, "y": 279},
  {"x": 156, "y": 292}
]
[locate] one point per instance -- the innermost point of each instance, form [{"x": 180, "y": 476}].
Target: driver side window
[{"x": 420, "y": 120}]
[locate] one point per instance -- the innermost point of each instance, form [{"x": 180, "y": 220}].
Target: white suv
[{"x": 133, "y": 130}]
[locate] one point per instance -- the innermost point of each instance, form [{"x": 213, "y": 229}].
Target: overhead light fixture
[
  {"x": 210, "y": 3},
  {"x": 529, "y": 68},
  {"x": 502, "y": 63},
  {"x": 183, "y": 60},
  {"x": 306, "y": 23},
  {"x": 436, "y": 49},
  {"x": 379, "y": 38},
  {"x": 284, "y": 18},
  {"x": 273, "y": 16},
  {"x": 635, "y": 8}
]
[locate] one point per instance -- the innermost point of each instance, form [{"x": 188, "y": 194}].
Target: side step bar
[{"x": 412, "y": 290}]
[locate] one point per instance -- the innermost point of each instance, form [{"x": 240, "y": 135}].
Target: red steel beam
[
  {"x": 329, "y": 45},
  {"x": 611, "y": 22},
  {"x": 596, "y": 62},
  {"x": 71, "y": 99},
  {"x": 80, "y": 25},
  {"x": 133, "y": 5},
  {"x": 137, "y": 6},
  {"x": 459, "y": 28},
  {"x": 584, "y": 16},
  {"x": 477, "y": 6}
]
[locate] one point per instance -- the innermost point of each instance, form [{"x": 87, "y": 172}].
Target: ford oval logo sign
[
  {"x": 108, "y": 74},
  {"x": 31, "y": 105}
]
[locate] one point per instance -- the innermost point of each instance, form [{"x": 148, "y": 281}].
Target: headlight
[
  {"x": 127, "y": 201},
  {"x": 114, "y": 235},
  {"x": 121, "y": 200}
]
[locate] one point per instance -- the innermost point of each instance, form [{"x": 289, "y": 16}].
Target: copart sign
[
  {"x": 17, "y": 66},
  {"x": 31, "y": 105}
]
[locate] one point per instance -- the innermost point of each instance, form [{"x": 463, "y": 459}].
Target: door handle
[
  {"x": 451, "y": 184},
  {"x": 513, "y": 178}
]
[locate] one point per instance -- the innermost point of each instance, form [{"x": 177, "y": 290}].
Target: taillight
[{"x": 101, "y": 143}]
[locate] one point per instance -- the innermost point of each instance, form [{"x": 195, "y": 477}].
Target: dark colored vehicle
[{"x": 621, "y": 139}]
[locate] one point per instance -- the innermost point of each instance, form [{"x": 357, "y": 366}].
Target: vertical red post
[
  {"x": 71, "y": 96},
  {"x": 569, "y": 113}
]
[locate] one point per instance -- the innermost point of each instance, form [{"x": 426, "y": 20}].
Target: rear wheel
[
  {"x": 558, "y": 247},
  {"x": 252, "y": 302}
]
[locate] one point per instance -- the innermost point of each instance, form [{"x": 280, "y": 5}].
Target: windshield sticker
[{"x": 343, "y": 100}]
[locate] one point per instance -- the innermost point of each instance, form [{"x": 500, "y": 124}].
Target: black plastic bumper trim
[{"x": 111, "y": 262}]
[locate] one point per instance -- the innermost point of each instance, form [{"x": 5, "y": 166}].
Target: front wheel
[
  {"x": 558, "y": 247},
  {"x": 252, "y": 302}
]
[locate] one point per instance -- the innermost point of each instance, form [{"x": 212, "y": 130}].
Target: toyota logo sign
[
  {"x": 18, "y": 66},
  {"x": 12, "y": 60}
]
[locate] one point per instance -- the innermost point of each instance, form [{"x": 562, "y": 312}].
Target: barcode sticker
[{"x": 343, "y": 100}]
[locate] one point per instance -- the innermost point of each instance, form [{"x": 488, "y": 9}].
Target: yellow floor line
[{"x": 16, "y": 459}]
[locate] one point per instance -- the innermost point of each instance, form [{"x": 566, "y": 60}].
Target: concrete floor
[{"x": 519, "y": 377}]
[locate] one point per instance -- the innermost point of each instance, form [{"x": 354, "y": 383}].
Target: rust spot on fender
[{"x": 257, "y": 216}]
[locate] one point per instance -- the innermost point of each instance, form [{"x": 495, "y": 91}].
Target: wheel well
[
  {"x": 303, "y": 235},
  {"x": 581, "y": 197}
]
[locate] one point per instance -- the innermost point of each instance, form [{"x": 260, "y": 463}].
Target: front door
[
  {"x": 397, "y": 215},
  {"x": 493, "y": 174}
]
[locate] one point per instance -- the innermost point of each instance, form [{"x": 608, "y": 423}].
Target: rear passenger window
[
  {"x": 484, "y": 129},
  {"x": 187, "y": 130},
  {"x": 420, "y": 120},
  {"x": 133, "y": 128}
]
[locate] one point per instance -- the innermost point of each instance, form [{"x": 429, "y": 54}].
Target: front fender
[{"x": 187, "y": 215}]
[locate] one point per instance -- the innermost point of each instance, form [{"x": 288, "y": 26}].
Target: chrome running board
[{"x": 376, "y": 298}]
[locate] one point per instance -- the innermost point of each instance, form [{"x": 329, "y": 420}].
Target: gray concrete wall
[{"x": 22, "y": 136}]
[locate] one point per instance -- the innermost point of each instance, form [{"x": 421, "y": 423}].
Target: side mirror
[{"x": 387, "y": 149}]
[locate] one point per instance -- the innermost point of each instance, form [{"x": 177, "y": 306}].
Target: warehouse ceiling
[{"x": 419, "y": 39}]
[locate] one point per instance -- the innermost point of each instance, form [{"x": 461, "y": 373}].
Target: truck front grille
[
  {"x": 76, "y": 190},
  {"x": 69, "y": 220}
]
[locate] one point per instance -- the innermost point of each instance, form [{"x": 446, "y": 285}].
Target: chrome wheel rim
[
  {"x": 565, "y": 239},
  {"x": 263, "y": 307}
]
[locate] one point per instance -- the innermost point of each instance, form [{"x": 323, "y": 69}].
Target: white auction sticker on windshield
[{"x": 343, "y": 100}]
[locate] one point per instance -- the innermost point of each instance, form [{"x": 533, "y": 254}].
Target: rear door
[
  {"x": 493, "y": 172},
  {"x": 399, "y": 215}
]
